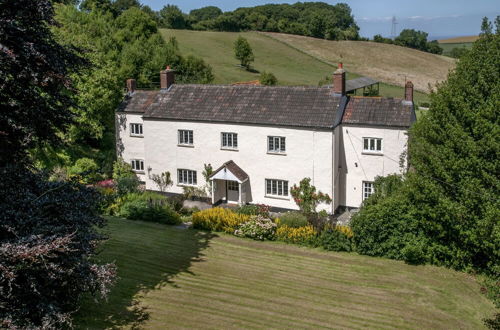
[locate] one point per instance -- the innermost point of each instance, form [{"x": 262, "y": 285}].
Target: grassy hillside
[
  {"x": 292, "y": 66},
  {"x": 177, "y": 278},
  {"x": 389, "y": 63},
  {"x": 458, "y": 40}
]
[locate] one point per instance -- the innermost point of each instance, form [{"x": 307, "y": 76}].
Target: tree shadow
[{"x": 145, "y": 261}]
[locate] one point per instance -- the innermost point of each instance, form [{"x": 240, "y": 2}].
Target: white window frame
[
  {"x": 276, "y": 144},
  {"x": 277, "y": 188},
  {"x": 136, "y": 129},
  {"x": 137, "y": 165},
  {"x": 233, "y": 186},
  {"x": 229, "y": 140},
  {"x": 186, "y": 177},
  {"x": 185, "y": 137},
  {"x": 373, "y": 145},
  {"x": 368, "y": 189}
]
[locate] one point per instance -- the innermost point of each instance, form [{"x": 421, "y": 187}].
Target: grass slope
[
  {"x": 291, "y": 65},
  {"x": 387, "y": 63},
  {"x": 177, "y": 278}
]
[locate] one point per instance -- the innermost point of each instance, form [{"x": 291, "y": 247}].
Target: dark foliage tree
[
  {"x": 47, "y": 229},
  {"x": 412, "y": 39},
  {"x": 243, "y": 52},
  {"x": 35, "y": 92},
  {"x": 47, "y": 237},
  {"x": 434, "y": 48},
  {"x": 119, "y": 6}
]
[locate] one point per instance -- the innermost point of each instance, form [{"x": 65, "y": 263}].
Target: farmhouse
[{"x": 260, "y": 140}]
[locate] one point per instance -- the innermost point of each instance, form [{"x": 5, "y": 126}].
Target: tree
[
  {"x": 413, "y": 39},
  {"x": 119, "y": 6},
  {"x": 163, "y": 180},
  {"x": 268, "y": 79},
  {"x": 446, "y": 209},
  {"x": 207, "y": 172},
  {"x": 48, "y": 230},
  {"x": 434, "y": 48},
  {"x": 205, "y": 13},
  {"x": 243, "y": 52},
  {"x": 486, "y": 27},
  {"x": 171, "y": 17},
  {"x": 306, "y": 197},
  {"x": 35, "y": 92}
]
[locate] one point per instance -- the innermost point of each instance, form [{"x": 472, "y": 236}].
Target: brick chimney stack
[
  {"x": 409, "y": 91},
  {"x": 167, "y": 78},
  {"x": 131, "y": 86},
  {"x": 339, "y": 81}
]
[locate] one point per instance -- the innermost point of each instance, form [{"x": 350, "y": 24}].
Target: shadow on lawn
[{"x": 142, "y": 266}]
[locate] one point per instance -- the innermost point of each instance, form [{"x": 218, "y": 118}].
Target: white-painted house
[{"x": 263, "y": 140}]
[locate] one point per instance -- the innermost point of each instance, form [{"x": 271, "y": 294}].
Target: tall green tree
[
  {"x": 447, "y": 208},
  {"x": 171, "y": 17},
  {"x": 243, "y": 52}
]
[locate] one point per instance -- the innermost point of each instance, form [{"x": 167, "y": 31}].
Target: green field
[
  {"x": 290, "y": 65},
  {"x": 447, "y": 47},
  {"x": 181, "y": 278}
]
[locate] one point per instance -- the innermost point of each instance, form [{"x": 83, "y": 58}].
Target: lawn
[
  {"x": 291, "y": 65},
  {"x": 179, "y": 278}
]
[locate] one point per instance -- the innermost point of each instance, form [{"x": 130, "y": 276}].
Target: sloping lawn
[{"x": 178, "y": 278}]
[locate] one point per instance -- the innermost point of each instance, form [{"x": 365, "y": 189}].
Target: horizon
[{"x": 441, "y": 20}]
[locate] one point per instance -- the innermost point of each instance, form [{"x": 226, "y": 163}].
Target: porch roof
[{"x": 235, "y": 172}]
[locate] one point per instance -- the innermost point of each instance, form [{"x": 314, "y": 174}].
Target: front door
[{"x": 233, "y": 192}]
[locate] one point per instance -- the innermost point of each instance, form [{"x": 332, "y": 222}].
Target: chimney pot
[
  {"x": 131, "y": 86},
  {"x": 339, "y": 80},
  {"x": 409, "y": 91},
  {"x": 167, "y": 78}
]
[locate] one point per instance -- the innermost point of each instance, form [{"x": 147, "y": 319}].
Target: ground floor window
[
  {"x": 276, "y": 187},
  {"x": 137, "y": 165},
  {"x": 186, "y": 177},
  {"x": 233, "y": 185},
  {"x": 368, "y": 189}
]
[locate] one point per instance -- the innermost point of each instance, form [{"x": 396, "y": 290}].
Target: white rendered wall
[
  {"x": 357, "y": 166},
  {"x": 308, "y": 154},
  {"x": 130, "y": 147}
]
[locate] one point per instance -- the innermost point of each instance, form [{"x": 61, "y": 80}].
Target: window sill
[
  {"x": 229, "y": 149},
  {"x": 186, "y": 145},
  {"x": 186, "y": 185},
  {"x": 286, "y": 198},
  {"x": 136, "y": 135},
  {"x": 276, "y": 153},
  {"x": 139, "y": 172},
  {"x": 372, "y": 153}
]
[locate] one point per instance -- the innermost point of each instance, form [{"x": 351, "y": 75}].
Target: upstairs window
[
  {"x": 229, "y": 140},
  {"x": 137, "y": 165},
  {"x": 372, "y": 145},
  {"x": 187, "y": 177},
  {"x": 368, "y": 189},
  {"x": 136, "y": 129},
  {"x": 186, "y": 137},
  {"x": 276, "y": 144},
  {"x": 276, "y": 188}
]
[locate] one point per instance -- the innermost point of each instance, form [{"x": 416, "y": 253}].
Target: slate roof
[
  {"x": 233, "y": 168},
  {"x": 308, "y": 107},
  {"x": 378, "y": 111}
]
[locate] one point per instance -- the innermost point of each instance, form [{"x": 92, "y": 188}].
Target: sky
[{"x": 439, "y": 18}]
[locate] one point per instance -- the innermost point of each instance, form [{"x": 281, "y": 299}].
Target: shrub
[
  {"x": 127, "y": 185},
  {"x": 121, "y": 169},
  {"x": 258, "y": 227},
  {"x": 188, "y": 210},
  {"x": 107, "y": 199},
  {"x": 336, "y": 238},
  {"x": 268, "y": 79},
  {"x": 148, "y": 206},
  {"x": 86, "y": 170},
  {"x": 306, "y": 197},
  {"x": 218, "y": 219},
  {"x": 414, "y": 252},
  {"x": 301, "y": 235},
  {"x": 254, "y": 209},
  {"x": 292, "y": 219},
  {"x": 176, "y": 202}
]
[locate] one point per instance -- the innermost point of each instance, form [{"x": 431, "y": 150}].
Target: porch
[{"x": 230, "y": 185}]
